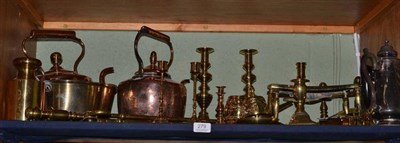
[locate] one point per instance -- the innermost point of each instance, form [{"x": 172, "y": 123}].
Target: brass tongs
[{"x": 35, "y": 114}]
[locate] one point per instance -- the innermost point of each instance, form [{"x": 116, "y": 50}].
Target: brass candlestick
[
  {"x": 247, "y": 108},
  {"x": 194, "y": 71},
  {"x": 299, "y": 93},
  {"x": 220, "y": 107},
  {"x": 248, "y": 77},
  {"x": 162, "y": 67},
  {"x": 204, "y": 98}
]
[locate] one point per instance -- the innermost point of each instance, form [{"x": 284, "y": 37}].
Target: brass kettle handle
[
  {"x": 55, "y": 35},
  {"x": 365, "y": 74},
  {"x": 146, "y": 31}
]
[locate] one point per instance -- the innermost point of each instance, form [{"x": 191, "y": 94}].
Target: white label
[{"x": 202, "y": 127}]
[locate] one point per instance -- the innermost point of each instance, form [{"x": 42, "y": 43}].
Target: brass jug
[
  {"x": 141, "y": 94},
  {"x": 381, "y": 85}
]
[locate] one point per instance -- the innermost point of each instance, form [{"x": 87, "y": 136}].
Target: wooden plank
[
  {"x": 384, "y": 26},
  {"x": 372, "y": 14},
  {"x": 15, "y": 26},
  {"x": 318, "y": 13},
  {"x": 201, "y": 27},
  {"x": 32, "y": 13}
]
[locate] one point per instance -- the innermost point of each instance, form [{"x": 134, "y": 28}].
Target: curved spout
[
  {"x": 185, "y": 81},
  {"x": 105, "y": 72}
]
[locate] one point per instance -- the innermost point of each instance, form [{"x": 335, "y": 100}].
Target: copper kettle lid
[
  {"x": 387, "y": 51},
  {"x": 153, "y": 68},
  {"x": 56, "y": 72}
]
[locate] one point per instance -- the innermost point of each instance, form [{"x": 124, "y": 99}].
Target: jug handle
[
  {"x": 364, "y": 73},
  {"x": 55, "y": 35},
  {"x": 146, "y": 31}
]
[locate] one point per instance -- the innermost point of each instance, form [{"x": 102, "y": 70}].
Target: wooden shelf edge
[
  {"x": 33, "y": 14},
  {"x": 201, "y": 27},
  {"x": 372, "y": 14}
]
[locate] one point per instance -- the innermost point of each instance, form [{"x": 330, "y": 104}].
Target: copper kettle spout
[
  {"x": 103, "y": 74},
  {"x": 185, "y": 81}
]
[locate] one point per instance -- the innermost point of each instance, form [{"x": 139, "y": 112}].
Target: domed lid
[
  {"x": 58, "y": 73},
  {"x": 153, "y": 68},
  {"x": 387, "y": 51}
]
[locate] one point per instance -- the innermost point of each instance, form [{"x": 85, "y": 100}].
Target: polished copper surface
[
  {"x": 141, "y": 95},
  {"x": 105, "y": 98}
]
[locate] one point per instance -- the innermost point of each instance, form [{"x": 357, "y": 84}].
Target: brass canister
[{"x": 24, "y": 90}]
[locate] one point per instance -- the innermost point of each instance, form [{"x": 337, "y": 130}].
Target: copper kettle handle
[
  {"x": 55, "y": 35},
  {"x": 146, "y": 31},
  {"x": 364, "y": 73}
]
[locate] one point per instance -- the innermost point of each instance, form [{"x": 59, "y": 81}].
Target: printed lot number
[{"x": 202, "y": 127}]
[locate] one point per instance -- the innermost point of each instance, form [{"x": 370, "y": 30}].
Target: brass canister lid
[{"x": 26, "y": 67}]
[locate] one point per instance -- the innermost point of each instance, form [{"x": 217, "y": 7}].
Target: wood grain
[
  {"x": 201, "y": 27},
  {"x": 372, "y": 14},
  {"x": 385, "y": 26},
  {"x": 210, "y": 12},
  {"x": 15, "y": 26}
]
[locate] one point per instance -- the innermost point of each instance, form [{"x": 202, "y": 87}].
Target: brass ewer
[{"x": 204, "y": 98}]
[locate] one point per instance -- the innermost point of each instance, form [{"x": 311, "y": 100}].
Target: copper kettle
[
  {"x": 141, "y": 94},
  {"x": 381, "y": 84}
]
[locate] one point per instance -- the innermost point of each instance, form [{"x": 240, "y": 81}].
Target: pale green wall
[{"x": 330, "y": 58}]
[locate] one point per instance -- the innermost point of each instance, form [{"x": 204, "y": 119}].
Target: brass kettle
[
  {"x": 381, "y": 85},
  {"x": 152, "y": 86}
]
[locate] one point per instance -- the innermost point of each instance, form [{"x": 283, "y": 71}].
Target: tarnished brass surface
[
  {"x": 300, "y": 116},
  {"x": 63, "y": 115},
  {"x": 22, "y": 94},
  {"x": 24, "y": 90},
  {"x": 247, "y": 108},
  {"x": 220, "y": 107},
  {"x": 300, "y": 95},
  {"x": 203, "y": 97},
  {"x": 194, "y": 71},
  {"x": 68, "y": 90}
]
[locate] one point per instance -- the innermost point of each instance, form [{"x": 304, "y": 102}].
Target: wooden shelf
[{"x": 306, "y": 16}]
